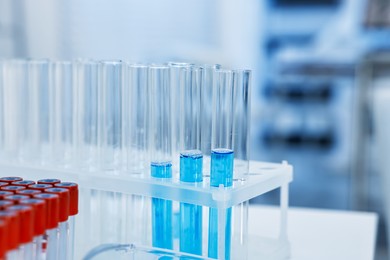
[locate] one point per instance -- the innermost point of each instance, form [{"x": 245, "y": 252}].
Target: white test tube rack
[{"x": 263, "y": 178}]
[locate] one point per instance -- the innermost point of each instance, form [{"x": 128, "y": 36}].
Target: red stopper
[
  {"x": 12, "y": 188},
  {"x": 64, "y": 201},
  {"x": 10, "y": 179},
  {"x": 26, "y": 222},
  {"x": 40, "y": 187},
  {"x": 3, "y": 238},
  {"x": 28, "y": 192},
  {"x": 4, "y": 204},
  {"x": 4, "y": 193},
  {"x": 73, "y": 196},
  {"x": 16, "y": 198},
  {"x": 49, "y": 181},
  {"x": 52, "y": 208},
  {"x": 40, "y": 214},
  {"x": 12, "y": 218},
  {"x": 24, "y": 183}
]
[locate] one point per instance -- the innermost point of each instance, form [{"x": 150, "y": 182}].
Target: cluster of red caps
[{"x": 29, "y": 208}]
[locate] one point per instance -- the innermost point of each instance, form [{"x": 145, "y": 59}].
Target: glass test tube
[
  {"x": 15, "y": 108},
  {"x": 60, "y": 112},
  {"x": 160, "y": 151},
  {"x": 109, "y": 114},
  {"x": 26, "y": 230},
  {"x": 222, "y": 157},
  {"x": 241, "y": 122},
  {"x": 206, "y": 109},
  {"x": 52, "y": 217},
  {"x": 178, "y": 80},
  {"x": 37, "y": 121},
  {"x": 135, "y": 114},
  {"x": 73, "y": 210},
  {"x": 63, "y": 225},
  {"x": 85, "y": 113},
  {"x": 39, "y": 224}
]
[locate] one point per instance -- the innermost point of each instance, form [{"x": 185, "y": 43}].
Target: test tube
[
  {"x": 109, "y": 111},
  {"x": 135, "y": 114},
  {"x": 26, "y": 230},
  {"x": 206, "y": 109},
  {"x": 49, "y": 181},
  {"x": 28, "y": 192},
  {"x": 13, "y": 233},
  {"x": 52, "y": 217},
  {"x": 73, "y": 210},
  {"x": 222, "y": 157},
  {"x": 161, "y": 151},
  {"x": 63, "y": 225},
  {"x": 12, "y": 189},
  {"x": 10, "y": 179},
  {"x": 37, "y": 120},
  {"x": 241, "y": 122},
  {"x": 85, "y": 113},
  {"x": 15, "y": 198},
  {"x": 39, "y": 224},
  {"x": 15, "y": 108},
  {"x": 178, "y": 83},
  {"x": 40, "y": 187},
  {"x": 60, "y": 112},
  {"x": 3, "y": 238}
]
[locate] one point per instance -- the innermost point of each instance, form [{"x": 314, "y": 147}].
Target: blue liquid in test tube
[
  {"x": 162, "y": 210},
  {"x": 191, "y": 169},
  {"x": 221, "y": 173}
]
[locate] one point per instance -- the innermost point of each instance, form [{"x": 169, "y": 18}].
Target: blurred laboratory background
[{"x": 321, "y": 76}]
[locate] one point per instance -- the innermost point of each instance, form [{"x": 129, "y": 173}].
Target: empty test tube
[
  {"x": 85, "y": 113},
  {"x": 60, "y": 112},
  {"x": 109, "y": 111},
  {"x": 135, "y": 115},
  {"x": 161, "y": 152}
]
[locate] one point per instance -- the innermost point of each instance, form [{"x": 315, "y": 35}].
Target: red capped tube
[
  {"x": 26, "y": 222},
  {"x": 24, "y": 183},
  {"x": 4, "y": 204},
  {"x": 49, "y": 181},
  {"x": 4, "y": 193},
  {"x": 40, "y": 214},
  {"x": 73, "y": 196},
  {"x": 64, "y": 201},
  {"x": 52, "y": 208},
  {"x": 3, "y": 238},
  {"x": 13, "y": 228},
  {"x": 16, "y": 198},
  {"x": 40, "y": 187}
]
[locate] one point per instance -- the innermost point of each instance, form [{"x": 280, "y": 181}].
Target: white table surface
[{"x": 320, "y": 234}]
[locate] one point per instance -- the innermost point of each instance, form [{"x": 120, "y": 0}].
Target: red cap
[
  {"x": 5, "y": 204},
  {"x": 4, "y": 193},
  {"x": 49, "y": 181},
  {"x": 24, "y": 183},
  {"x": 73, "y": 196},
  {"x": 3, "y": 237},
  {"x": 10, "y": 179},
  {"x": 12, "y": 188},
  {"x": 13, "y": 228},
  {"x": 26, "y": 222},
  {"x": 40, "y": 214},
  {"x": 40, "y": 187},
  {"x": 52, "y": 208},
  {"x": 64, "y": 201},
  {"x": 3, "y": 183},
  {"x": 16, "y": 198},
  {"x": 28, "y": 192}
]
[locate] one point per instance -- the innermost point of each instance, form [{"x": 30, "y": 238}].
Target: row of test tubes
[
  {"x": 122, "y": 116},
  {"x": 37, "y": 219}
]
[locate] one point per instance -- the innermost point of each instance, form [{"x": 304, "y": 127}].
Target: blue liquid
[
  {"x": 221, "y": 173},
  {"x": 191, "y": 166},
  {"x": 162, "y": 210},
  {"x": 191, "y": 170},
  {"x": 161, "y": 169}
]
